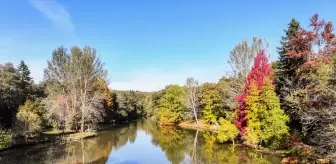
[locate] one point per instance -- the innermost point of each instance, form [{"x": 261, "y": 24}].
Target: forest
[{"x": 287, "y": 104}]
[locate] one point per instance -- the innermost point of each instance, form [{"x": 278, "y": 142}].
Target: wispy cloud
[{"x": 56, "y": 12}]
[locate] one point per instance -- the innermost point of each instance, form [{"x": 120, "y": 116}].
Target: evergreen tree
[
  {"x": 286, "y": 68},
  {"x": 25, "y": 83}
]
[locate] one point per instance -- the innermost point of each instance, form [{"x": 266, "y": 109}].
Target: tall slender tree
[
  {"x": 260, "y": 118},
  {"x": 192, "y": 102},
  {"x": 25, "y": 83},
  {"x": 286, "y": 69}
]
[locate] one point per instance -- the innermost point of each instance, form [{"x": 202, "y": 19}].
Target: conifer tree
[
  {"x": 286, "y": 69},
  {"x": 25, "y": 81}
]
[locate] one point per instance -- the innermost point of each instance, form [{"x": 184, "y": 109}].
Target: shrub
[
  {"x": 28, "y": 121},
  {"x": 6, "y": 139},
  {"x": 227, "y": 131}
]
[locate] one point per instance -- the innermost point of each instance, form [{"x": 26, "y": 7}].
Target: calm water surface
[{"x": 140, "y": 142}]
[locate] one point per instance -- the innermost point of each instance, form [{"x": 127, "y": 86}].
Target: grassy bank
[
  {"x": 48, "y": 137},
  {"x": 201, "y": 125}
]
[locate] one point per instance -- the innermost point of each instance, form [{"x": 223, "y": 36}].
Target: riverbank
[
  {"x": 289, "y": 155},
  {"x": 49, "y": 137},
  {"x": 202, "y": 126}
]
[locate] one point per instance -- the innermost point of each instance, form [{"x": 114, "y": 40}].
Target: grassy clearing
[
  {"x": 58, "y": 132},
  {"x": 80, "y": 135},
  {"x": 201, "y": 125}
]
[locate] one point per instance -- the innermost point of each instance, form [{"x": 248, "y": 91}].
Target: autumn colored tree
[
  {"x": 260, "y": 118},
  {"x": 266, "y": 121},
  {"x": 256, "y": 76},
  {"x": 313, "y": 100}
]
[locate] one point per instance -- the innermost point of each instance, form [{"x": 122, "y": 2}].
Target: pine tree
[
  {"x": 25, "y": 83},
  {"x": 286, "y": 75}
]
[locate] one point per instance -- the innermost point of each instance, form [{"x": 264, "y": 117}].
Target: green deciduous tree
[
  {"x": 266, "y": 121},
  {"x": 172, "y": 109},
  {"x": 211, "y": 103},
  {"x": 28, "y": 122},
  {"x": 6, "y": 138},
  {"x": 10, "y": 94},
  {"x": 227, "y": 131}
]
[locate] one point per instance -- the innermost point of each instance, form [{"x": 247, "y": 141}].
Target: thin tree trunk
[
  {"x": 195, "y": 115},
  {"x": 194, "y": 108}
]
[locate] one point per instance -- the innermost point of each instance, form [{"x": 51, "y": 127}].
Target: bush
[
  {"x": 6, "y": 139},
  {"x": 226, "y": 131},
  {"x": 28, "y": 122}
]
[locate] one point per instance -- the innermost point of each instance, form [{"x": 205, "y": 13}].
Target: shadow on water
[{"x": 137, "y": 143}]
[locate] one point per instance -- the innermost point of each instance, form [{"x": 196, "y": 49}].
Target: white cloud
[
  {"x": 55, "y": 12},
  {"x": 155, "y": 79}
]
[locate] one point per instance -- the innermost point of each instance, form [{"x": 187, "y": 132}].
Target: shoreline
[
  {"x": 56, "y": 136},
  {"x": 191, "y": 124},
  {"x": 201, "y": 126}
]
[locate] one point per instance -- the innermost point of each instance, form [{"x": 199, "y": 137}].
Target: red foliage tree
[
  {"x": 316, "y": 45},
  {"x": 259, "y": 72}
]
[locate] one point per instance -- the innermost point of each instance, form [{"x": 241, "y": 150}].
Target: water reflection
[{"x": 140, "y": 142}]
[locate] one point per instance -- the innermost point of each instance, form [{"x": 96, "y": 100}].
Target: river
[{"x": 140, "y": 142}]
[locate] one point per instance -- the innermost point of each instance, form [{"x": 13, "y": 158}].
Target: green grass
[
  {"x": 79, "y": 135},
  {"x": 59, "y": 132}
]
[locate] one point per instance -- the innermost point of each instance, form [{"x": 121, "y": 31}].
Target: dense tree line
[
  {"x": 73, "y": 95},
  {"x": 259, "y": 103},
  {"x": 278, "y": 105}
]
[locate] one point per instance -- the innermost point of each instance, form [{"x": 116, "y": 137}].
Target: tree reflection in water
[{"x": 178, "y": 145}]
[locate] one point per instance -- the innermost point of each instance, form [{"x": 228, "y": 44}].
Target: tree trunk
[
  {"x": 195, "y": 115},
  {"x": 82, "y": 124}
]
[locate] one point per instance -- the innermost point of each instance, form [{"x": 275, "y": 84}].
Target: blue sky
[{"x": 147, "y": 44}]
